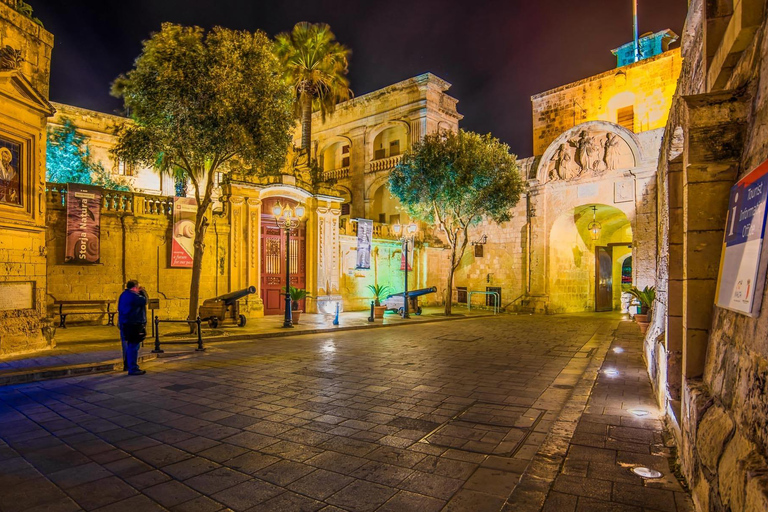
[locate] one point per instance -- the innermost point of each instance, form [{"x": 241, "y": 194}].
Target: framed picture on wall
[{"x": 11, "y": 172}]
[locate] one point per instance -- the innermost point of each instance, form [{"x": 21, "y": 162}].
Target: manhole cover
[
  {"x": 459, "y": 337},
  {"x": 487, "y": 428}
]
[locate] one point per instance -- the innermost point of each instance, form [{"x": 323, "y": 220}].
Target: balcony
[
  {"x": 385, "y": 164},
  {"x": 336, "y": 174}
]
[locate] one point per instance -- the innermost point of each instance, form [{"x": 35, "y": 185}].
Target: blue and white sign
[{"x": 743, "y": 264}]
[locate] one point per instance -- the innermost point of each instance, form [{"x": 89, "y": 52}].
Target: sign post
[{"x": 741, "y": 279}]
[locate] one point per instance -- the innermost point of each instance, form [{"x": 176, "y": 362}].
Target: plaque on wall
[
  {"x": 17, "y": 295},
  {"x": 624, "y": 191},
  {"x": 10, "y": 172}
]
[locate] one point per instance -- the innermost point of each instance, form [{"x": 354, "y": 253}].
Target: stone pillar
[
  {"x": 327, "y": 246},
  {"x": 357, "y": 172},
  {"x": 713, "y": 145},
  {"x": 237, "y": 258},
  {"x": 24, "y": 112},
  {"x": 253, "y": 244}
]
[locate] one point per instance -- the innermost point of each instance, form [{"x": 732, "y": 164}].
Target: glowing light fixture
[
  {"x": 611, "y": 372},
  {"x": 288, "y": 218},
  {"x": 594, "y": 226},
  {"x": 646, "y": 472},
  {"x": 639, "y": 412},
  {"x": 618, "y": 350}
]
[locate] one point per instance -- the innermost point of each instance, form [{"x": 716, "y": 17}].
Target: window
[
  {"x": 394, "y": 219},
  {"x": 125, "y": 169},
  {"x": 626, "y": 117},
  {"x": 461, "y": 294},
  {"x": 382, "y": 218},
  {"x": 478, "y": 250},
  {"x": 345, "y": 156},
  {"x": 345, "y": 208},
  {"x": 379, "y": 154},
  {"x": 394, "y": 148}
]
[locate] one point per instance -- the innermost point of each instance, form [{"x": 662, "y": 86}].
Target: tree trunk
[
  {"x": 201, "y": 226},
  {"x": 306, "y": 124},
  {"x": 449, "y": 292}
]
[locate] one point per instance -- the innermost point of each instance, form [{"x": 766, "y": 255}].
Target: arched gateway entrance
[
  {"x": 589, "y": 246},
  {"x": 273, "y": 251}
]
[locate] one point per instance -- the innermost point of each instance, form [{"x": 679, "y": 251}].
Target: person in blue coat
[{"x": 132, "y": 309}]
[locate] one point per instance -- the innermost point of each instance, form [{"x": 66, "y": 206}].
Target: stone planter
[
  {"x": 641, "y": 319},
  {"x": 378, "y": 311},
  {"x": 643, "y": 326},
  {"x": 295, "y": 316}
]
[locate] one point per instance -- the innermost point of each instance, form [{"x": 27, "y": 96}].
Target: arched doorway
[
  {"x": 273, "y": 248},
  {"x": 588, "y": 246}
]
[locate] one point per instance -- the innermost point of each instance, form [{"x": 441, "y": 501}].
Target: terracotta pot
[
  {"x": 641, "y": 318},
  {"x": 643, "y": 326},
  {"x": 295, "y": 315},
  {"x": 378, "y": 311}
]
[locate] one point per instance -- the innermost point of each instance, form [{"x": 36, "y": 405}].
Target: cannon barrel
[
  {"x": 231, "y": 297},
  {"x": 415, "y": 293}
]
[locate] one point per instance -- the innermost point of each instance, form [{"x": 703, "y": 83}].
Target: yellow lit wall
[{"x": 647, "y": 86}]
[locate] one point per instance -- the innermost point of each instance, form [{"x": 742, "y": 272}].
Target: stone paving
[{"x": 443, "y": 416}]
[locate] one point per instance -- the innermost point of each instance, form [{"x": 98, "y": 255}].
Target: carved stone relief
[{"x": 591, "y": 152}]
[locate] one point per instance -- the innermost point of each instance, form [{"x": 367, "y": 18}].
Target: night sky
[{"x": 495, "y": 53}]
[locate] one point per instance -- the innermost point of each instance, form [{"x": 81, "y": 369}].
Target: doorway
[
  {"x": 603, "y": 279},
  {"x": 273, "y": 249}
]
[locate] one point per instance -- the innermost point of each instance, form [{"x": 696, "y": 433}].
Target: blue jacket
[{"x": 132, "y": 308}]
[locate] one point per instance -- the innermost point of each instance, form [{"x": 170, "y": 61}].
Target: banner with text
[
  {"x": 743, "y": 264},
  {"x": 364, "y": 239},
  {"x": 410, "y": 256},
  {"x": 183, "y": 244},
  {"x": 83, "y": 243}
]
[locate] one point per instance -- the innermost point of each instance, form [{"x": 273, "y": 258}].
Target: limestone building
[{"x": 25, "y": 56}]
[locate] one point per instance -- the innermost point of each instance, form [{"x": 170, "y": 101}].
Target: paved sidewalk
[
  {"x": 84, "y": 349},
  {"x": 605, "y": 431},
  {"x": 431, "y": 417}
]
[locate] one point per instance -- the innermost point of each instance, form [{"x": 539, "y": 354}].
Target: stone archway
[{"x": 585, "y": 267}]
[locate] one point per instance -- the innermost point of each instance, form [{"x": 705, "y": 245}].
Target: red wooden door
[{"x": 273, "y": 264}]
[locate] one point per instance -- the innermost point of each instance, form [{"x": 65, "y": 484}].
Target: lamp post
[
  {"x": 408, "y": 234},
  {"x": 288, "y": 218}
]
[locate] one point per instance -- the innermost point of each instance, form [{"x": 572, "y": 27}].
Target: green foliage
[
  {"x": 646, "y": 297},
  {"x": 379, "y": 292},
  {"x": 68, "y": 159},
  {"x": 201, "y": 99},
  {"x": 24, "y": 8},
  {"x": 315, "y": 66},
  {"x": 454, "y": 180},
  {"x": 296, "y": 295}
]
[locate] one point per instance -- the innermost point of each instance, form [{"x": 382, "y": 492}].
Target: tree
[
  {"x": 198, "y": 101},
  {"x": 315, "y": 66},
  {"x": 68, "y": 159},
  {"x": 454, "y": 180}
]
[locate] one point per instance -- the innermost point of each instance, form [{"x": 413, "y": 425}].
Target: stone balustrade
[
  {"x": 115, "y": 201},
  {"x": 385, "y": 164},
  {"x": 336, "y": 174}
]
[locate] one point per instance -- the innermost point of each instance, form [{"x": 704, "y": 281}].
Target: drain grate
[
  {"x": 487, "y": 428},
  {"x": 459, "y": 337}
]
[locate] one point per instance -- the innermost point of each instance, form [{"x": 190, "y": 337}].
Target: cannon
[
  {"x": 396, "y": 302},
  {"x": 216, "y": 310}
]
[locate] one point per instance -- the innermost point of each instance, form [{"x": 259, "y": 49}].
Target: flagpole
[{"x": 635, "y": 39}]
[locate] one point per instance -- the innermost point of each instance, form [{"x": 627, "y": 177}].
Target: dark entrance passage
[
  {"x": 273, "y": 259},
  {"x": 603, "y": 279}
]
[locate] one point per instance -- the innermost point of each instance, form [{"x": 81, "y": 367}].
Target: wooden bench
[{"x": 84, "y": 307}]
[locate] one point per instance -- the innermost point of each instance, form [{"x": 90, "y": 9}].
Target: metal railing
[
  {"x": 496, "y": 300},
  {"x": 198, "y": 321}
]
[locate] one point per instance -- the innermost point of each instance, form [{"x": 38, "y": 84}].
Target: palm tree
[{"x": 316, "y": 67}]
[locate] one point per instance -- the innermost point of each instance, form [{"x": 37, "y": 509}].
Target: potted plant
[
  {"x": 645, "y": 297},
  {"x": 296, "y": 294},
  {"x": 378, "y": 294}
]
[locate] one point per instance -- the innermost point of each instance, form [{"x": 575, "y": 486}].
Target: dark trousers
[{"x": 130, "y": 351}]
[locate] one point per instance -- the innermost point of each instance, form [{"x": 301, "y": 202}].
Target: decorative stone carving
[
  {"x": 592, "y": 152},
  {"x": 10, "y": 58}
]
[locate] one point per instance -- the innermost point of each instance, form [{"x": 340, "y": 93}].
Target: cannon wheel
[
  {"x": 418, "y": 311},
  {"x": 241, "y": 321},
  {"x": 213, "y": 322}
]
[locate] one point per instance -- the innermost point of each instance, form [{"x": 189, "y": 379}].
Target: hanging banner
[
  {"x": 410, "y": 257},
  {"x": 364, "y": 238},
  {"x": 83, "y": 243},
  {"x": 743, "y": 263},
  {"x": 183, "y": 244}
]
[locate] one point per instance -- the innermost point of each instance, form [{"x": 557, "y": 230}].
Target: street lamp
[
  {"x": 594, "y": 226},
  {"x": 408, "y": 234},
  {"x": 288, "y": 218}
]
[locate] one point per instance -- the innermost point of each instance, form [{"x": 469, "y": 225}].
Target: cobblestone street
[{"x": 444, "y": 416}]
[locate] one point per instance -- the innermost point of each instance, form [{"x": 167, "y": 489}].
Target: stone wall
[
  {"x": 647, "y": 86},
  {"x": 709, "y": 365},
  {"x": 34, "y": 42}
]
